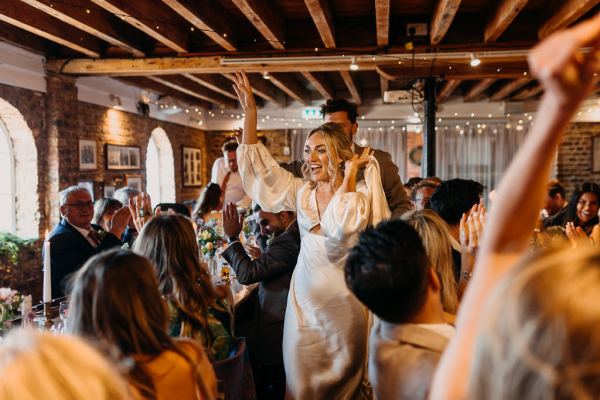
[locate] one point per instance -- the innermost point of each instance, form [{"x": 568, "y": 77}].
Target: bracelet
[{"x": 467, "y": 275}]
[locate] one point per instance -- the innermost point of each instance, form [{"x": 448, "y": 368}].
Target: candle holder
[{"x": 48, "y": 315}]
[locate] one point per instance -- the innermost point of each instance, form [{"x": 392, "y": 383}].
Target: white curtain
[
  {"x": 391, "y": 140},
  {"x": 479, "y": 152}
]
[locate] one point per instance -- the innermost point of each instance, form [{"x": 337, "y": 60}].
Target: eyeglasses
[{"x": 80, "y": 205}]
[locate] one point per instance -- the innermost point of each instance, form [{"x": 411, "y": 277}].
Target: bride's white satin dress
[{"x": 326, "y": 327}]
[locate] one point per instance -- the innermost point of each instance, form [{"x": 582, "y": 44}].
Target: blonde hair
[
  {"x": 35, "y": 365},
  {"x": 540, "y": 336},
  {"x": 435, "y": 236},
  {"x": 338, "y": 146}
]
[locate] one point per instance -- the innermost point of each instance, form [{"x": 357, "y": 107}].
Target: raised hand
[
  {"x": 356, "y": 162},
  {"x": 560, "y": 65},
  {"x": 244, "y": 92}
]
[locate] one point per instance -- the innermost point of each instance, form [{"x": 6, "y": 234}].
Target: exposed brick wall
[
  {"x": 574, "y": 161},
  {"x": 57, "y": 122}
]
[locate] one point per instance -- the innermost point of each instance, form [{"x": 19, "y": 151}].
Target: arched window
[
  {"x": 7, "y": 189},
  {"x": 160, "y": 168},
  {"x": 19, "y": 168}
]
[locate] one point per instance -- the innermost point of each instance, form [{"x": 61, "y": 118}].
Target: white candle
[{"x": 47, "y": 293}]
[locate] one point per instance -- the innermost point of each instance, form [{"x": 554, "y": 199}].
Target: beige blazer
[{"x": 402, "y": 360}]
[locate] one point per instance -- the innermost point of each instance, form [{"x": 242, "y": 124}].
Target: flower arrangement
[
  {"x": 208, "y": 237},
  {"x": 10, "y": 303}
]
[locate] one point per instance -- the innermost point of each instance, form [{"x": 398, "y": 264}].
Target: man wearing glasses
[{"x": 73, "y": 241}]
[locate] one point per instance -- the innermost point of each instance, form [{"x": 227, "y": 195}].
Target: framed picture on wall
[
  {"x": 192, "y": 166},
  {"x": 109, "y": 190},
  {"x": 134, "y": 181},
  {"x": 596, "y": 154},
  {"x": 89, "y": 185},
  {"x": 123, "y": 157},
  {"x": 87, "y": 154}
]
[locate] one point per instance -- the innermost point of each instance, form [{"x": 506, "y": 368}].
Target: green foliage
[{"x": 9, "y": 249}]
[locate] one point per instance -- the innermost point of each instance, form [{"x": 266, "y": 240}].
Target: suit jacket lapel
[{"x": 76, "y": 233}]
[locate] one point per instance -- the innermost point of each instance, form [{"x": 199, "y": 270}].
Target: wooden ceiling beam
[
  {"x": 290, "y": 86},
  {"x": 443, "y": 15},
  {"x": 319, "y": 82},
  {"x": 24, "y": 40},
  {"x": 352, "y": 87},
  {"x": 382, "y": 19},
  {"x": 528, "y": 93},
  {"x": 504, "y": 14},
  {"x": 263, "y": 89},
  {"x": 402, "y": 73},
  {"x": 148, "y": 84},
  {"x": 212, "y": 82},
  {"x": 208, "y": 17},
  {"x": 509, "y": 65},
  {"x": 34, "y": 21},
  {"x": 89, "y": 19},
  {"x": 449, "y": 87},
  {"x": 568, "y": 12},
  {"x": 139, "y": 14},
  {"x": 509, "y": 88},
  {"x": 321, "y": 15},
  {"x": 477, "y": 89},
  {"x": 265, "y": 18},
  {"x": 193, "y": 89}
]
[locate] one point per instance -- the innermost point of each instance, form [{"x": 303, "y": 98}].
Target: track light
[
  {"x": 354, "y": 65},
  {"x": 474, "y": 61}
]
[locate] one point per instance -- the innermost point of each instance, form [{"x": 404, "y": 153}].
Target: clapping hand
[
  {"x": 471, "y": 228},
  {"x": 119, "y": 221},
  {"x": 232, "y": 221},
  {"x": 575, "y": 234},
  {"x": 140, "y": 208}
]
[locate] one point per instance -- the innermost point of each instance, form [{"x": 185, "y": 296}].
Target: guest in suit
[
  {"x": 73, "y": 241},
  {"x": 388, "y": 270},
  {"x": 345, "y": 113},
  {"x": 273, "y": 269}
]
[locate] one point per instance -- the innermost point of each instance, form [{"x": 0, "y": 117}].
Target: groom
[{"x": 345, "y": 113}]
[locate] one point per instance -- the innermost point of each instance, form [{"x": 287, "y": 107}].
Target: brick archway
[{"x": 25, "y": 169}]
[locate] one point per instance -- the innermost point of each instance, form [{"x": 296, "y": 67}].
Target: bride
[{"x": 326, "y": 327}]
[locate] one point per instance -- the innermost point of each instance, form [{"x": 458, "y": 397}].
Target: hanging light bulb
[
  {"x": 354, "y": 65},
  {"x": 474, "y": 60},
  {"x": 266, "y": 75}
]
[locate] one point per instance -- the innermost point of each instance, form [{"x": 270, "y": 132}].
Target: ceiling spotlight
[
  {"x": 474, "y": 61},
  {"x": 266, "y": 75},
  {"x": 354, "y": 65}
]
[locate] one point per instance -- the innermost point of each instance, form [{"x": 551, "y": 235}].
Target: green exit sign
[{"x": 311, "y": 113}]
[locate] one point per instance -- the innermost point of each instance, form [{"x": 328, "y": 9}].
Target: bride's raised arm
[{"x": 263, "y": 179}]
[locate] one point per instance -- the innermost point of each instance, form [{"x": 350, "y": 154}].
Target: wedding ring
[{"x": 142, "y": 213}]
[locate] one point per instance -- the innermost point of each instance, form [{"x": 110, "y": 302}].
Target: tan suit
[{"x": 402, "y": 360}]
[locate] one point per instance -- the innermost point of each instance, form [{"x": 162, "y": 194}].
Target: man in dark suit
[
  {"x": 345, "y": 113},
  {"x": 273, "y": 269},
  {"x": 73, "y": 241}
]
